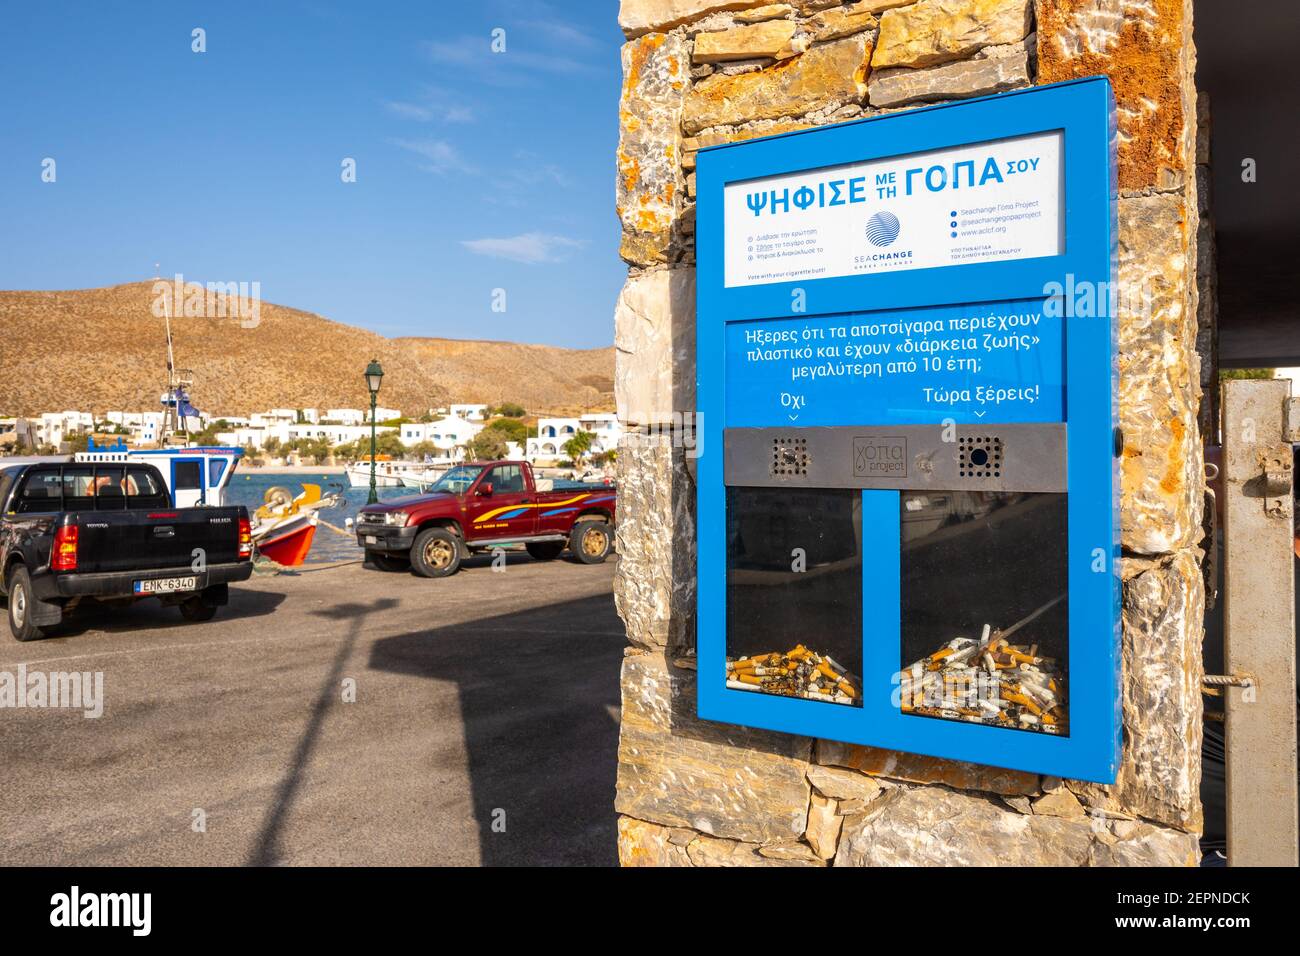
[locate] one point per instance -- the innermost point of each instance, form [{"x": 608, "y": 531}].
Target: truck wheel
[
  {"x": 435, "y": 553},
  {"x": 388, "y": 562},
  {"x": 545, "y": 550},
  {"x": 194, "y": 610},
  {"x": 21, "y": 601},
  {"x": 590, "y": 541}
]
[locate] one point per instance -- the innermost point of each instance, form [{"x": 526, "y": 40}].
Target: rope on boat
[{"x": 335, "y": 528}]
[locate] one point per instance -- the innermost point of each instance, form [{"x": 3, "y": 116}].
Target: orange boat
[{"x": 284, "y": 527}]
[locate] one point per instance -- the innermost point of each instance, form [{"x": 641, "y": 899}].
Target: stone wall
[{"x": 696, "y": 793}]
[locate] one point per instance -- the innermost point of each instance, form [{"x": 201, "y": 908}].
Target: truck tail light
[
  {"x": 245, "y": 539},
  {"x": 64, "y": 557}
]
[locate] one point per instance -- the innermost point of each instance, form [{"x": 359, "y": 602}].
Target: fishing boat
[
  {"x": 420, "y": 480},
  {"x": 285, "y": 526},
  {"x": 388, "y": 474}
]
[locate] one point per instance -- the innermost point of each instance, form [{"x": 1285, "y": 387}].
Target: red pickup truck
[{"x": 477, "y": 506}]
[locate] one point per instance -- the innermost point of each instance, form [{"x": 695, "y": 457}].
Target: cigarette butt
[{"x": 1024, "y": 701}]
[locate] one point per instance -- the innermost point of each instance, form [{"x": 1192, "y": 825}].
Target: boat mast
[{"x": 178, "y": 380}]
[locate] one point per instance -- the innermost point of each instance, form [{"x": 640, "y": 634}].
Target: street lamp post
[{"x": 374, "y": 377}]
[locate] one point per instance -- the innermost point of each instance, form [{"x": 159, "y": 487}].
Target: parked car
[
  {"x": 482, "y": 505},
  {"x": 74, "y": 531}
]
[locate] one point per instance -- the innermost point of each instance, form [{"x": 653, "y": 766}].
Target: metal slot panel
[{"x": 1012, "y": 457}]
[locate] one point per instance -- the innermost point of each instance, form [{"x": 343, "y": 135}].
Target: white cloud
[
  {"x": 513, "y": 67},
  {"x": 530, "y": 248},
  {"x": 432, "y": 103},
  {"x": 566, "y": 34},
  {"x": 440, "y": 156}
]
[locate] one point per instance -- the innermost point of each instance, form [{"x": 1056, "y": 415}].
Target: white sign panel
[{"x": 986, "y": 202}]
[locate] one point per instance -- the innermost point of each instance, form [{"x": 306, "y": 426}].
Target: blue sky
[{"x": 475, "y": 170}]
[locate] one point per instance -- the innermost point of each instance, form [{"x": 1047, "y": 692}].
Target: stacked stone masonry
[{"x": 699, "y": 73}]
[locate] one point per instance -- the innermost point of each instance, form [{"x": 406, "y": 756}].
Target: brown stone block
[
  {"x": 918, "y": 768},
  {"x": 828, "y": 73},
  {"x": 939, "y": 31},
  {"x": 843, "y": 21},
  {"x": 769, "y": 39},
  {"x": 654, "y": 343},
  {"x": 654, "y": 581},
  {"x": 649, "y": 190},
  {"x": 636, "y": 17},
  {"x": 1160, "y": 771},
  {"x": 732, "y": 782},
  {"x": 1159, "y": 379},
  {"x": 1142, "y": 48},
  {"x": 934, "y": 826},
  {"x": 648, "y": 844},
  {"x": 952, "y": 81}
]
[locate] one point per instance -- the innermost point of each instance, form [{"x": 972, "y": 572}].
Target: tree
[
  {"x": 508, "y": 429},
  {"x": 318, "y": 449},
  {"x": 511, "y": 410},
  {"x": 271, "y": 445},
  {"x": 486, "y": 446},
  {"x": 387, "y": 443},
  {"x": 421, "y": 449},
  {"x": 209, "y": 434},
  {"x": 577, "y": 447}
]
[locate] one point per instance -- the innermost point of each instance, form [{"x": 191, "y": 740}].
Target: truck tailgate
[{"x": 153, "y": 540}]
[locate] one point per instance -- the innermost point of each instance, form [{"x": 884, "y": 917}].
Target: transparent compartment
[
  {"x": 794, "y": 593},
  {"x": 985, "y": 611}
]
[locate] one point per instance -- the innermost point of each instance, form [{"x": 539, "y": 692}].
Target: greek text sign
[
  {"x": 987, "y": 202},
  {"x": 1001, "y": 361}
]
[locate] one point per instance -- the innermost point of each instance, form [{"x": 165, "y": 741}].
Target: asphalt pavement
[{"x": 483, "y": 729}]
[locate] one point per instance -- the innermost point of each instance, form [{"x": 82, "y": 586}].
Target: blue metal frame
[{"x": 1084, "y": 111}]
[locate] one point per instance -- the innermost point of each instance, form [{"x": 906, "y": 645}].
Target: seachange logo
[{"x": 883, "y": 228}]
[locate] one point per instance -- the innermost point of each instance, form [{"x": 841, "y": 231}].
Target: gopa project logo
[{"x": 883, "y": 229}]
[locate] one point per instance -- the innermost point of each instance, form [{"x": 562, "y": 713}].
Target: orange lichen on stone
[
  {"x": 1141, "y": 51},
  {"x": 1172, "y": 482},
  {"x": 640, "y": 50},
  {"x": 648, "y": 167},
  {"x": 828, "y": 73}
]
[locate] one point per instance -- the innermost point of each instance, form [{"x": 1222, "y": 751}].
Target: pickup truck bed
[{"x": 72, "y": 532}]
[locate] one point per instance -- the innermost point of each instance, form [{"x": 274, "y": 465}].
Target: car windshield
[{"x": 457, "y": 480}]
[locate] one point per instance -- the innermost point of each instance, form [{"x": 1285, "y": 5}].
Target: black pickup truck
[{"x": 70, "y": 532}]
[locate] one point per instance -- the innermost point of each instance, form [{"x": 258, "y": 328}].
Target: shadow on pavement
[
  {"x": 539, "y": 697},
  {"x": 149, "y": 615},
  {"x": 266, "y": 850}
]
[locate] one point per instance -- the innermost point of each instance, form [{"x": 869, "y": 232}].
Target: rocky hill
[{"x": 105, "y": 349}]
